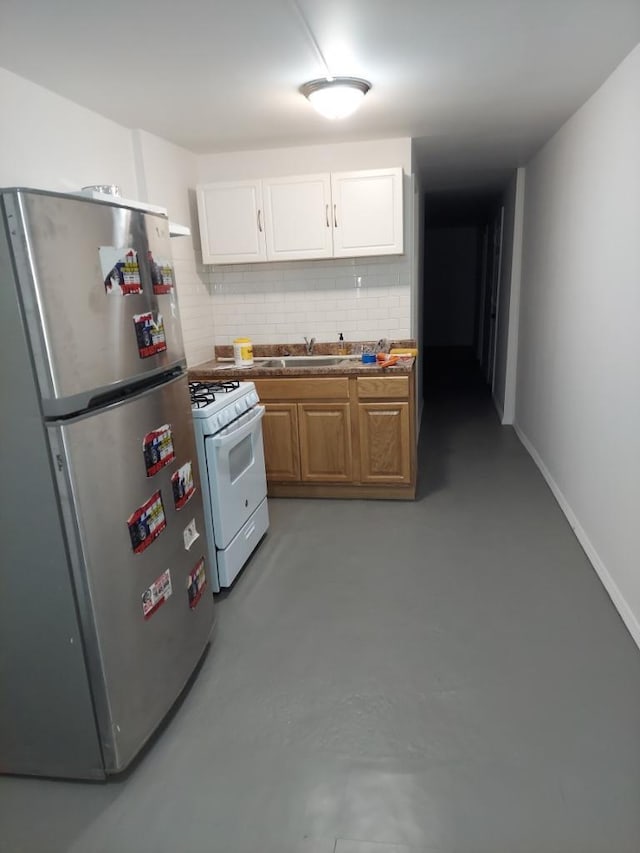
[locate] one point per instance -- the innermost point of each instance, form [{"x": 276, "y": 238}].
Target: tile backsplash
[{"x": 364, "y": 298}]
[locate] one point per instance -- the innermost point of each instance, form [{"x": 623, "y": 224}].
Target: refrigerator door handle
[{"x": 123, "y": 392}]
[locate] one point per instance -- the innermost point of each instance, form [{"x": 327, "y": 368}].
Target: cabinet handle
[
  {"x": 259, "y": 221},
  {"x": 335, "y": 217},
  {"x": 326, "y": 215}
]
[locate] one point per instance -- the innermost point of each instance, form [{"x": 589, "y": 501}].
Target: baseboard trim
[
  {"x": 342, "y": 491},
  {"x": 620, "y": 603}
]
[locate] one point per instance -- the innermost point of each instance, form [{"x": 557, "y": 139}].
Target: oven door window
[{"x": 240, "y": 458}]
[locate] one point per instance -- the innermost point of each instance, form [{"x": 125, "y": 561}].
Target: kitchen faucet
[{"x": 309, "y": 345}]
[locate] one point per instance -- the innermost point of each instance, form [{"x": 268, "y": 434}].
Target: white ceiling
[{"x": 481, "y": 84}]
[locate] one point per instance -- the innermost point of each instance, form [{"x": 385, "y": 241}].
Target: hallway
[{"x": 444, "y": 676}]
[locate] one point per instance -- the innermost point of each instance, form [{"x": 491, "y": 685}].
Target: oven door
[{"x": 237, "y": 479}]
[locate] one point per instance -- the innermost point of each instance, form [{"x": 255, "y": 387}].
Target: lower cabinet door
[
  {"x": 280, "y": 436},
  {"x": 325, "y": 442},
  {"x": 385, "y": 442}
]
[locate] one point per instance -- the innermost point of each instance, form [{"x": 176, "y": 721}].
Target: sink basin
[{"x": 303, "y": 361}]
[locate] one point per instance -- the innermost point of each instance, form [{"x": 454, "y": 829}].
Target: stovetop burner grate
[{"x": 204, "y": 393}]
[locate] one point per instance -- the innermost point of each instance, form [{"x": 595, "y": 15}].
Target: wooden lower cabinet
[
  {"x": 385, "y": 442},
  {"x": 281, "y": 447},
  {"x": 339, "y": 436},
  {"x": 325, "y": 442}
]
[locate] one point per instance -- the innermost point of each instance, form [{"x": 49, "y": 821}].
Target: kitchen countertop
[{"x": 219, "y": 370}]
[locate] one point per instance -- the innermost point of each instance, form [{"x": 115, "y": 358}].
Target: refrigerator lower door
[{"x": 128, "y": 477}]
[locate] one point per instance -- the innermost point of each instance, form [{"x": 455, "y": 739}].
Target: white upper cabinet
[
  {"x": 298, "y": 217},
  {"x": 367, "y": 213},
  {"x": 338, "y": 215},
  {"x": 232, "y": 222}
]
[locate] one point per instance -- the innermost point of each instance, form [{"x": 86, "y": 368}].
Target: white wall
[
  {"x": 365, "y": 298},
  {"x": 504, "y": 294},
  {"x": 48, "y": 142},
  {"x": 307, "y": 159},
  {"x": 512, "y": 311},
  {"x": 167, "y": 176},
  {"x": 51, "y": 143},
  {"x": 578, "y": 401}
]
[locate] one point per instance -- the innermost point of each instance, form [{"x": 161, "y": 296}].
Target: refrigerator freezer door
[
  {"x": 146, "y": 616},
  {"x": 96, "y": 286}
]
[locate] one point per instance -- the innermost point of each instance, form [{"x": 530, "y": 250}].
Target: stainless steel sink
[{"x": 303, "y": 361}]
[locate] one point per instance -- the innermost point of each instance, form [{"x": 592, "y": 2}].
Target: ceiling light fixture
[{"x": 336, "y": 97}]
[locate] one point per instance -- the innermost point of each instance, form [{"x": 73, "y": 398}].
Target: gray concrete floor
[{"x": 446, "y": 676}]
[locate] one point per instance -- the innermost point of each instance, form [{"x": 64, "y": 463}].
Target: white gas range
[{"x": 228, "y": 428}]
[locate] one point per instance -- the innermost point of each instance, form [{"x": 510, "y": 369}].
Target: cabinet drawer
[
  {"x": 299, "y": 389},
  {"x": 383, "y": 387}
]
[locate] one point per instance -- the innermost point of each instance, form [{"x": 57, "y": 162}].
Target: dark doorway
[{"x": 462, "y": 269}]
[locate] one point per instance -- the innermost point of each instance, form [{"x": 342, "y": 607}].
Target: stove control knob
[{"x": 239, "y": 408}]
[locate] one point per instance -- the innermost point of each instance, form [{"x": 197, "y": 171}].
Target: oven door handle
[{"x": 239, "y": 432}]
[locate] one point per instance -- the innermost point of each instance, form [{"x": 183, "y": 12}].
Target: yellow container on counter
[
  {"x": 243, "y": 352},
  {"x": 404, "y": 352}
]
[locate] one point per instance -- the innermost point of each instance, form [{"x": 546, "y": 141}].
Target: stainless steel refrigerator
[{"x": 105, "y": 605}]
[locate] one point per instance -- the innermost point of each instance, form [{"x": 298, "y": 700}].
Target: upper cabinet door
[
  {"x": 232, "y": 222},
  {"x": 367, "y": 212},
  {"x": 298, "y": 217}
]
